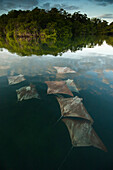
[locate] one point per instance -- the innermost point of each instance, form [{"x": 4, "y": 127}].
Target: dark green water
[{"x": 29, "y": 138}]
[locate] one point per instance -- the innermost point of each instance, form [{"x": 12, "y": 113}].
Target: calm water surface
[{"x": 29, "y": 138}]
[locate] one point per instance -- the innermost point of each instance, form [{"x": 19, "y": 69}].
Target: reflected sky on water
[{"x": 93, "y": 63}]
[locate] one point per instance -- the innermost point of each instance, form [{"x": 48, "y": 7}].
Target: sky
[{"x": 102, "y": 9}]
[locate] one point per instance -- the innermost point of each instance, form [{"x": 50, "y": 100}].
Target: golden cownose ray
[
  {"x": 82, "y": 133},
  {"x": 27, "y": 92},
  {"x": 62, "y": 70},
  {"x": 16, "y": 79},
  {"x": 58, "y": 87},
  {"x": 73, "y": 107}
]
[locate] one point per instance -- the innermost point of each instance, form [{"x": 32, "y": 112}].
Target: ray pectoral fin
[
  {"x": 78, "y": 130},
  {"x": 71, "y": 85},
  {"x": 96, "y": 141},
  {"x": 82, "y": 133}
]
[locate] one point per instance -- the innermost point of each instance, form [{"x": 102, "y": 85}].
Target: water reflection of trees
[
  {"x": 28, "y": 46},
  {"x": 109, "y": 40}
]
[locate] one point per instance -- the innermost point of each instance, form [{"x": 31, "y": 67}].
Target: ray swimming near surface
[
  {"x": 73, "y": 107},
  {"x": 27, "y": 92},
  {"x": 16, "y": 79},
  {"x": 82, "y": 133},
  {"x": 58, "y": 87},
  {"x": 63, "y": 70}
]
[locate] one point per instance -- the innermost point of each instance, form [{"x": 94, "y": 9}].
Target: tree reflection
[{"x": 33, "y": 46}]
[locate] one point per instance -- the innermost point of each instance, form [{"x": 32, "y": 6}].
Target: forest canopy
[{"x": 53, "y": 24}]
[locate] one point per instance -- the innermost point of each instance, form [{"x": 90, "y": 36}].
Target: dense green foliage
[
  {"x": 28, "y": 46},
  {"x": 53, "y": 24},
  {"x": 50, "y": 32}
]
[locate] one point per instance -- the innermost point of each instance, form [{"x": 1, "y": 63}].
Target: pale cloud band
[
  {"x": 6, "y": 5},
  {"x": 48, "y": 6},
  {"x": 106, "y": 16},
  {"x": 104, "y": 2}
]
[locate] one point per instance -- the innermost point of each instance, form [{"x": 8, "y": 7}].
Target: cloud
[
  {"x": 71, "y": 7},
  {"x": 106, "y": 16},
  {"x": 46, "y": 6},
  {"x": 6, "y": 5},
  {"x": 66, "y": 7},
  {"x": 59, "y": 6},
  {"x": 104, "y": 2}
]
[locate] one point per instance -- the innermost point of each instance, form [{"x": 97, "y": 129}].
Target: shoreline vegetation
[
  {"x": 51, "y": 32},
  {"x": 51, "y": 24},
  {"x": 32, "y": 46}
]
